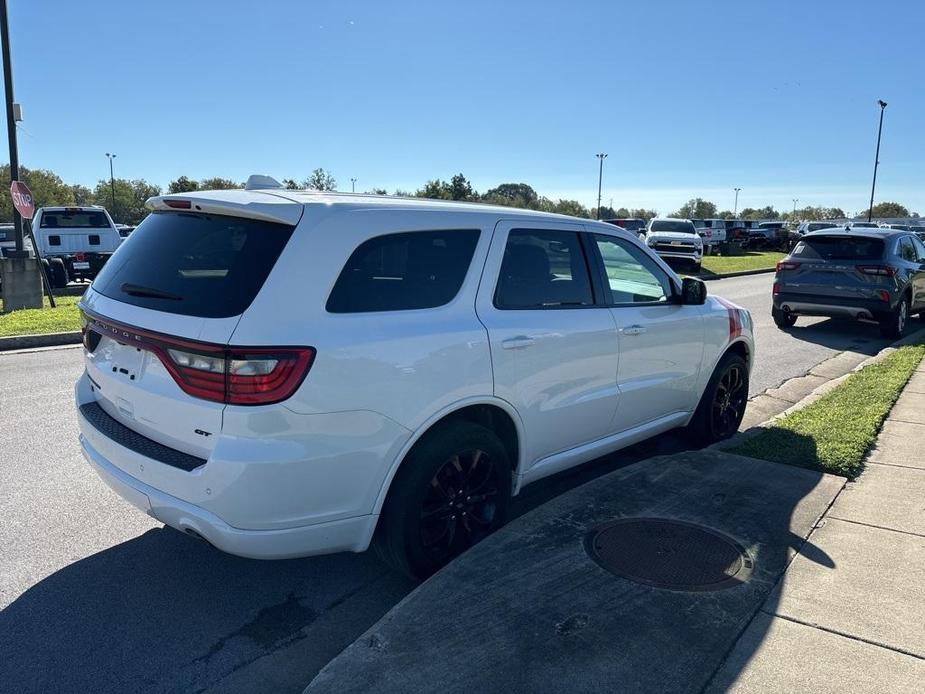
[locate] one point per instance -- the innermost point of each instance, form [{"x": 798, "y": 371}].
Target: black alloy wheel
[
  {"x": 460, "y": 507},
  {"x": 722, "y": 405},
  {"x": 451, "y": 491},
  {"x": 729, "y": 401}
]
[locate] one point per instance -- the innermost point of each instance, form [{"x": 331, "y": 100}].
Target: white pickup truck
[{"x": 83, "y": 238}]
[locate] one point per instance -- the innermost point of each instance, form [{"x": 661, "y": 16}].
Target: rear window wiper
[{"x": 151, "y": 292}]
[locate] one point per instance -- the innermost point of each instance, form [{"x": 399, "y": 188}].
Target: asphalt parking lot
[{"x": 98, "y": 597}]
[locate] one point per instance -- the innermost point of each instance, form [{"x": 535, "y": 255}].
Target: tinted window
[
  {"x": 543, "y": 269},
  {"x": 839, "y": 248},
  {"x": 400, "y": 272},
  {"x": 906, "y": 251},
  {"x": 193, "y": 264},
  {"x": 73, "y": 219},
  {"x": 919, "y": 248},
  {"x": 672, "y": 225},
  {"x": 94, "y": 239},
  {"x": 54, "y": 240},
  {"x": 632, "y": 276}
]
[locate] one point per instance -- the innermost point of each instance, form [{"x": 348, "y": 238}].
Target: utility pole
[
  {"x": 600, "y": 179},
  {"x": 795, "y": 201},
  {"x": 20, "y": 251},
  {"x": 353, "y": 185},
  {"x": 735, "y": 208},
  {"x": 873, "y": 186},
  {"x": 112, "y": 181}
]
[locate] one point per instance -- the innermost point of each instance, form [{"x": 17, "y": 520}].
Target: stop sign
[{"x": 22, "y": 199}]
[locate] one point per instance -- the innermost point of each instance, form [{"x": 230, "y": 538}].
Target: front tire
[
  {"x": 894, "y": 325},
  {"x": 783, "y": 319},
  {"x": 451, "y": 492},
  {"x": 722, "y": 405}
]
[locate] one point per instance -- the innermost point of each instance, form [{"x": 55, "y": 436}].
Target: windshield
[
  {"x": 210, "y": 266},
  {"x": 839, "y": 248},
  {"x": 74, "y": 219},
  {"x": 674, "y": 225}
]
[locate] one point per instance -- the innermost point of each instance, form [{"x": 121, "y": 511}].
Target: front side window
[
  {"x": 405, "y": 271},
  {"x": 543, "y": 269},
  {"x": 632, "y": 276}
]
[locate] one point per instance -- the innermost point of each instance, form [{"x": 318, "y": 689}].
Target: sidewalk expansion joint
[
  {"x": 861, "y": 639},
  {"x": 904, "y": 421},
  {"x": 905, "y": 467},
  {"x": 877, "y": 527}
]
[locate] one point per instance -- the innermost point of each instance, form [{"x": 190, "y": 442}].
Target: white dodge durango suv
[{"x": 287, "y": 373}]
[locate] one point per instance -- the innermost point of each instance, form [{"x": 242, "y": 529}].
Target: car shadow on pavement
[
  {"x": 163, "y": 612},
  {"x": 841, "y": 334}
]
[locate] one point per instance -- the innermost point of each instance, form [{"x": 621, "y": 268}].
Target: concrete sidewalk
[
  {"x": 858, "y": 625},
  {"x": 528, "y": 610}
]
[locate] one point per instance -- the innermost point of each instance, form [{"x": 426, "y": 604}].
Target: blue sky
[{"x": 687, "y": 98}]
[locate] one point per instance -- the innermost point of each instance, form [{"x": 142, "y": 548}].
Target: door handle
[
  {"x": 634, "y": 330},
  {"x": 518, "y": 342}
]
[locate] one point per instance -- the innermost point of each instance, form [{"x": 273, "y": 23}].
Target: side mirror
[
  {"x": 693, "y": 292},
  {"x": 642, "y": 236}
]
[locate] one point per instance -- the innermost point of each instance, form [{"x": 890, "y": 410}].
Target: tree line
[{"x": 125, "y": 198}]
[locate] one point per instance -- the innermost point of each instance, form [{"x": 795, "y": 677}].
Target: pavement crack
[
  {"x": 878, "y": 527},
  {"x": 836, "y": 632}
]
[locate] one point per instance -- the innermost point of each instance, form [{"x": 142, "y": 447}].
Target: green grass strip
[
  {"x": 834, "y": 433},
  {"x": 40, "y": 321},
  {"x": 752, "y": 260}
]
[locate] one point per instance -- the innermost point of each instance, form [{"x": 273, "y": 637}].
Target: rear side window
[
  {"x": 839, "y": 248},
  {"x": 210, "y": 266},
  {"x": 73, "y": 219},
  {"x": 543, "y": 269},
  {"x": 402, "y": 272}
]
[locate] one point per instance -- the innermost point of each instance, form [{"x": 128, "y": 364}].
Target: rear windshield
[
  {"x": 734, "y": 223},
  {"x": 839, "y": 248},
  {"x": 209, "y": 266},
  {"x": 673, "y": 225},
  {"x": 76, "y": 219}
]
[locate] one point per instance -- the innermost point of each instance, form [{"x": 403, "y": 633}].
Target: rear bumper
[
  {"x": 833, "y": 307},
  {"x": 350, "y": 534},
  {"x": 283, "y": 485}
]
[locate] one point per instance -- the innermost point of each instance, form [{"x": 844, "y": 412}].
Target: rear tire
[
  {"x": 451, "y": 492},
  {"x": 894, "y": 325},
  {"x": 58, "y": 273},
  {"x": 723, "y": 402},
  {"x": 783, "y": 319}
]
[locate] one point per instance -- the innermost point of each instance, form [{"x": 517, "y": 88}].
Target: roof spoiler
[{"x": 261, "y": 182}]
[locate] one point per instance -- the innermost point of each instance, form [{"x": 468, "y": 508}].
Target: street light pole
[
  {"x": 795, "y": 201},
  {"x": 20, "y": 251},
  {"x": 353, "y": 188},
  {"x": 735, "y": 208},
  {"x": 600, "y": 180},
  {"x": 112, "y": 182},
  {"x": 873, "y": 186}
]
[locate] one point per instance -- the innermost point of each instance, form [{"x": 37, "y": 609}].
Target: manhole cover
[{"x": 669, "y": 554}]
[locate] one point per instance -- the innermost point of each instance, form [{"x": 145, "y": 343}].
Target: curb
[
  {"x": 740, "y": 273},
  {"x": 915, "y": 338},
  {"x": 33, "y": 341}
]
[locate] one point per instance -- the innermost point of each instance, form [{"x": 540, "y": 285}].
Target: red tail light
[
  {"x": 233, "y": 375},
  {"x": 179, "y": 204},
  {"x": 884, "y": 295},
  {"x": 79, "y": 256},
  {"x": 783, "y": 265},
  {"x": 882, "y": 270},
  {"x": 776, "y": 288}
]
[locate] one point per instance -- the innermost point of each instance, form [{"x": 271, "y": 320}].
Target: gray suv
[{"x": 867, "y": 274}]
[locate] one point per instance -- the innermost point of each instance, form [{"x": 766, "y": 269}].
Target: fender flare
[{"x": 437, "y": 417}]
